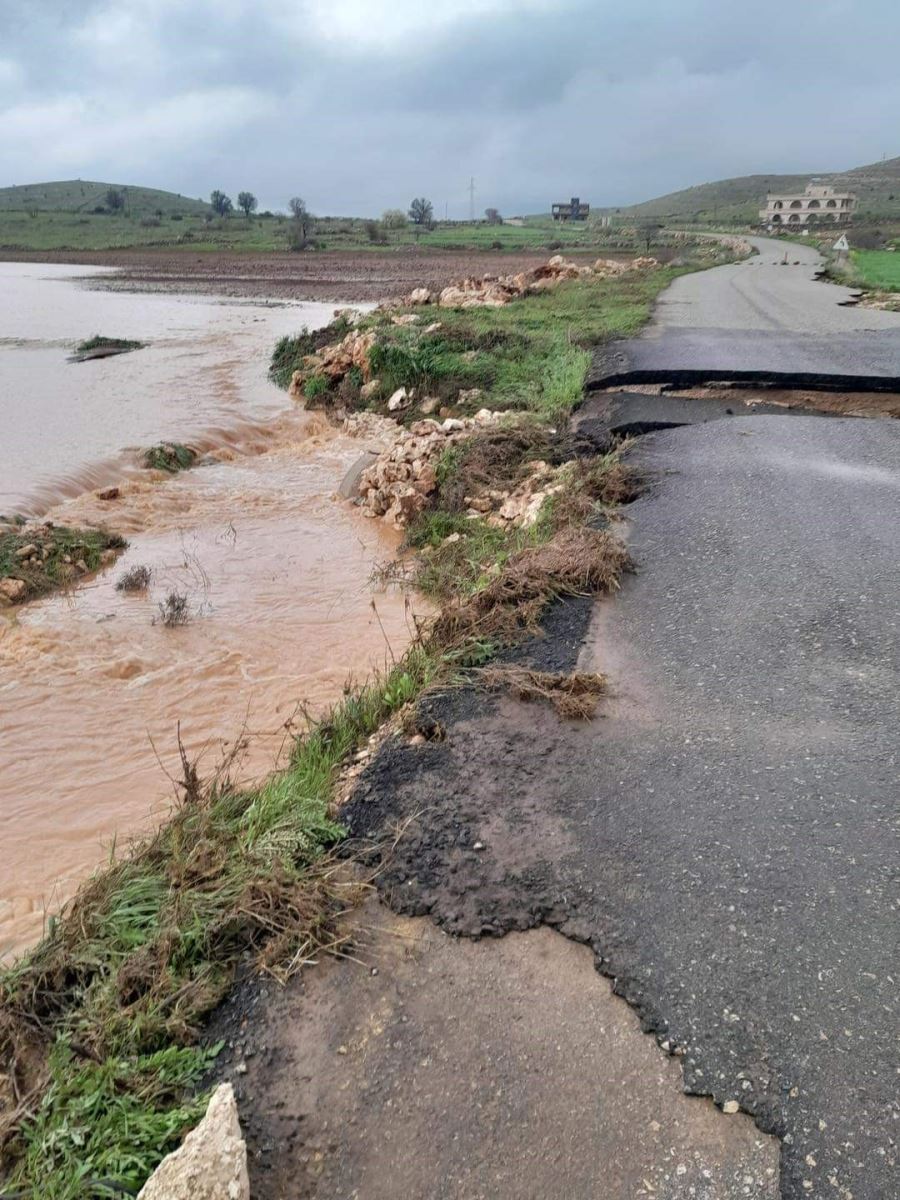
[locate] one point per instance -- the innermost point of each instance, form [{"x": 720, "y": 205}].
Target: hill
[
  {"x": 84, "y": 196},
  {"x": 737, "y": 200}
]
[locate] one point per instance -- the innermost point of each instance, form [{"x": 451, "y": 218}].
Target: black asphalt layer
[
  {"x": 761, "y": 317},
  {"x": 722, "y": 836}
]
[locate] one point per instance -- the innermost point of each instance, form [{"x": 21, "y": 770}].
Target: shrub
[
  {"x": 374, "y": 232},
  {"x": 315, "y": 386},
  {"x": 169, "y": 456},
  {"x": 174, "y": 610},
  {"x": 135, "y": 579}
]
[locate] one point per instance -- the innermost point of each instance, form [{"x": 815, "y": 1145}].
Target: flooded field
[{"x": 93, "y": 687}]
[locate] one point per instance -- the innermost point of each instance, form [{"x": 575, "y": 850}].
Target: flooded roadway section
[{"x": 92, "y": 691}]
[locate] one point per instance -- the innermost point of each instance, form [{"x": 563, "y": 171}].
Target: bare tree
[
  {"x": 247, "y": 202},
  {"x": 421, "y": 211},
  {"x": 492, "y": 216},
  {"x": 114, "y": 199}
]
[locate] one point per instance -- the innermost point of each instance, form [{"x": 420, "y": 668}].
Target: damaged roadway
[
  {"x": 721, "y": 836},
  {"x": 756, "y": 319}
]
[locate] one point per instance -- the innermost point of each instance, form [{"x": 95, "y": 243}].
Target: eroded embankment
[{"x": 111, "y": 1002}]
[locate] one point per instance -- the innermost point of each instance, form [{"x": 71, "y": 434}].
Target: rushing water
[{"x": 276, "y": 570}]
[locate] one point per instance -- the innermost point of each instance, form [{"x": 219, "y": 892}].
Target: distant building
[
  {"x": 816, "y": 206},
  {"x": 573, "y": 211}
]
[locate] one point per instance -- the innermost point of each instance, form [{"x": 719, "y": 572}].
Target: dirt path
[{"x": 454, "y": 1069}]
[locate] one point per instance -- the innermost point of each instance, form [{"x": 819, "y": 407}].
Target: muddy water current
[{"x": 93, "y": 688}]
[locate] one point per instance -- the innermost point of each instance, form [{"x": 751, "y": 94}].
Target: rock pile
[
  {"x": 494, "y": 291},
  {"x": 397, "y": 485},
  {"x": 522, "y": 505},
  {"x": 336, "y": 360}
]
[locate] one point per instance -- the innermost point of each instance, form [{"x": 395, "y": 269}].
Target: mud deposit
[
  {"x": 332, "y": 275},
  {"x": 275, "y": 570},
  {"x": 434, "y": 1067}
]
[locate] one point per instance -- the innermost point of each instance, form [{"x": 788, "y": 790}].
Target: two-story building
[{"x": 819, "y": 204}]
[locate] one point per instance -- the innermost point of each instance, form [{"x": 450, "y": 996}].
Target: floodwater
[{"x": 93, "y": 690}]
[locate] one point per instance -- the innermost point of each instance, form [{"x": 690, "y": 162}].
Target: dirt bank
[{"x": 331, "y": 275}]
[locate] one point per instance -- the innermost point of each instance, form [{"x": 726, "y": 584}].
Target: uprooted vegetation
[
  {"x": 100, "y": 1025},
  {"x": 170, "y": 457},
  {"x": 38, "y": 559},
  {"x": 104, "y": 347},
  {"x": 135, "y": 579},
  {"x": 574, "y": 696}
]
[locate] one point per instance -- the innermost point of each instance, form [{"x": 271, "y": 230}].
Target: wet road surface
[{"x": 762, "y": 315}]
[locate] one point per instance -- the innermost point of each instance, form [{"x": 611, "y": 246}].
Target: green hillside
[
  {"x": 84, "y": 196},
  {"x": 737, "y": 201}
]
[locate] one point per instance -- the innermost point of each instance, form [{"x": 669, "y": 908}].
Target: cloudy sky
[{"x": 357, "y": 105}]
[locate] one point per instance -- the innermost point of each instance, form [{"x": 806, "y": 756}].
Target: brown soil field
[{"x": 337, "y": 275}]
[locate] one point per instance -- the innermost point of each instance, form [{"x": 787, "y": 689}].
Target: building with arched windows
[{"x": 818, "y": 205}]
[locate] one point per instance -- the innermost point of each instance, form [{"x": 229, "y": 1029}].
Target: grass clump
[
  {"x": 170, "y": 457},
  {"x": 49, "y": 557},
  {"x": 74, "y": 1141},
  {"x": 174, "y": 610},
  {"x": 573, "y": 696},
  {"x": 290, "y": 352},
  {"x": 98, "y": 344},
  {"x": 135, "y": 579}
]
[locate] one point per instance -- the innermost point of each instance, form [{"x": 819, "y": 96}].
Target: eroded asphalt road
[
  {"x": 761, "y": 315},
  {"x": 722, "y": 836}
]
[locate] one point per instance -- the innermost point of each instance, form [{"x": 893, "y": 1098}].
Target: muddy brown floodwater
[{"x": 276, "y": 571}]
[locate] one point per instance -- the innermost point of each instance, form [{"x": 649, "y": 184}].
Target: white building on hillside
[{"x": 817, "y": 205}]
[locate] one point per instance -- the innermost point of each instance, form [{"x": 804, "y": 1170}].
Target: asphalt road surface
[
  {"x": 722, "y": 836},
  {"x": 761, "y": 315}
]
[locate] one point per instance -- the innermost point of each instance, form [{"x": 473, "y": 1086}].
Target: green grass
[
  {"x": 201, "y": 232},
  {"x": 48, "y": 569},
  {"x": 530, "y": 355},
  {"x": 877, "y": 269},
  {"x": 83, "y": 195}
]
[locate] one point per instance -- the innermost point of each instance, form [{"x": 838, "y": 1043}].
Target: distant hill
[
  {"x": 738, "y": 200},
  {"x": 83, "y": 195}
]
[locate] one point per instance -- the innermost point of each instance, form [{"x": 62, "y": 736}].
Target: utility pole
[{"x": 472, "y": 198}]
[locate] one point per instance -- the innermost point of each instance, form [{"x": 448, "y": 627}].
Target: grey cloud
[{"x": 617, "y": 103}]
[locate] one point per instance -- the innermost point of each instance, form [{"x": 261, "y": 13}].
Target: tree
[
  {"x": 247, "y": 201},
  {"x": 492, "y": 216},
  {"x": 421, "y": 211},
  {"x": 114, "y": 200},
  {"x": 301, "y": 224},
  {"x": 394, "y": 218},
  {"x": 220, "y": 203},
  {"x": 648, "y": 231},
  {"x": 375, "y": 232}
]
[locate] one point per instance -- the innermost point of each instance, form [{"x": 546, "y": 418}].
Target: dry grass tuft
[
  {"x": 574, "y": 696},
  {"x": 573, "y": 562}
]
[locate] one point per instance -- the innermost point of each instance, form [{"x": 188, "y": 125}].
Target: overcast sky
[{"x": 357, "y": 105}]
